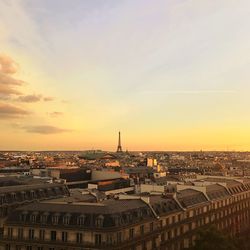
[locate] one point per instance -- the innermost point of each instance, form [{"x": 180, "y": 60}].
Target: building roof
[
  {"x": 109, "y": 213},
  {"x": 190, "y": 197},
  {"x": 216, "y": 191}
]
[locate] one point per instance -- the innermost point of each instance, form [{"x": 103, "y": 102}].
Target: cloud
[
  {"x": 45, "y": 129},
  {"x": 9, "y": 80},
  {"x": 188, "y": 92},
  {"x": 48, "y": 99},
  {"x": 30, "y": 98},
  {"x": 10, "y": 111},
  {"x": 55, "y": 114},
  {"x": 5, "y": 91},
  {"x": 8, "y": 83},
  {"x": 7, "y": 65},
  {"x": 33, "y": 98}
]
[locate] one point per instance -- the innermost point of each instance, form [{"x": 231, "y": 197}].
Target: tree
[{"x": 212, "y": 239}]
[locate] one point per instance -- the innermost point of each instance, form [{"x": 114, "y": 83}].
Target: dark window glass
[
  {"x": 142, "y": 229},
  {"x": 131, "y": 233},
  {"x": 79, "y": 237},
  {"x": 53, "y": 235},
  {"x": 65, "y": 236},
  {"x": 31, "y": 234},
  {"x": 98, "y": 239},
  {"x": 119, "y": 237},
  {"x": 42, "y": 234}
]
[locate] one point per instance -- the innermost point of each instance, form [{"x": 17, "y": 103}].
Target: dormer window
[
  {"x": 32, "y": 194},
  {"x": 99, "y": 221},
  {"x": 13, "y": 196},
  {"x": 41, "y": 192},
  {"x": 55, "y": 219},
  {"x": 66, "y": 219},
  {"x": 57, "y": 190},
  {"x": 81, "y": 220},
  {"x": 23, "y": 195},
  {"x": 1, "y": 199}
]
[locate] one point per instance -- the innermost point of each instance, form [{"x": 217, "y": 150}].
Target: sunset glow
[{"x": 171, "y": 75}]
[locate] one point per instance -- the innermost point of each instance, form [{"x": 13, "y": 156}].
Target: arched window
[
  {"x": 33, "y": 217},
  {"x": 81, "y": 220},
  {"x": 44, "y": 218},
  {"x": 23, "y": 216},
  {"x": 99, "y": 221},
  {"x": 55, "y": 218},
  {"x": 66, "y": 219}
]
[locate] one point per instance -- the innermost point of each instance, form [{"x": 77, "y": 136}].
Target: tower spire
[{"x": 119, "y": 147}]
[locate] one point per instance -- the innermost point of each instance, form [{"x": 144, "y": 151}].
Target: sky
[{"x": 168, "y": 74}]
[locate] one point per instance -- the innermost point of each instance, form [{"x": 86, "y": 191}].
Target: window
[
  {"x": 153, "y": 244},
  {"x": 175, "y": 232},
  {"x": 109, "y": 238},
  {"x": 98, "y": 239},
  {"x": 31, "y": 234},
  {"x": 161, "y": 224},
  {"x": 167, "y": 221},
  {"x": 55, "y": 219},
  {"x": 66, "y": 219},
  {"x": 99, "y": 221},
  {"x": 41, "y": 234},
  {"x": 32, "y": 194},
  {"x": 151, "y": 226},
  {"x": 7, "y": 247},
  {"x": 119, "y": 237},
  {"x": 79, "y": 237},
  {"x": 163, "y": 237},
  {"x": 53, "y": 235},
  {"x": 64, "y": 236},
  {"x": 179, "y": 217},
  {"x": 142, "y": 229},
  {"x": 10, "y": 232},
  {"x": 43, "y": 218},
  {"x": 29, "y": 248},
  {"x": 19, "y": 233},
  {"x": 33, "y": 218},
  {"x": 39, "y": 248},
  {"x": 173, "y": 219},
  {"x": 169, "y": 235},
  {"x": 18, "y": 247},
  {"x": 131, "y": 233},
  {"x": 80, "y": 220}
]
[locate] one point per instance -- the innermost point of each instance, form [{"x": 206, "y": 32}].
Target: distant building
[{"x": 151, "y": 162}]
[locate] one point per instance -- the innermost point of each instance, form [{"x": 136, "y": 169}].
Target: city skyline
[{"x": 170, "y": 75}]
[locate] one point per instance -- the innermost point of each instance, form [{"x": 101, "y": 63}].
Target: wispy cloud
[
  {"x": 55, "y": 114},
  {"x": 34, "y": 98},
  {"x": 8, "y": 83},
  {"x": 189, "y": 92},
  {"x": 45, "y": 129},
  {"x": 48, "y": 99},
  {"x": 29, "y": 98},
  {"x": 10, "y": 111},
  {"x": 7, "y": 65}
]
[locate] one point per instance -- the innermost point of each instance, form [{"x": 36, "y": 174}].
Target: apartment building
[{"x": 166, "y": 221}]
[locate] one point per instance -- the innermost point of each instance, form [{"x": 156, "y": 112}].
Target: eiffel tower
[{"x": 119, "y": 147}]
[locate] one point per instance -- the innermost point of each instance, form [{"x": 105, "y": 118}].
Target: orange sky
[{"x": 171, "y": 75}]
